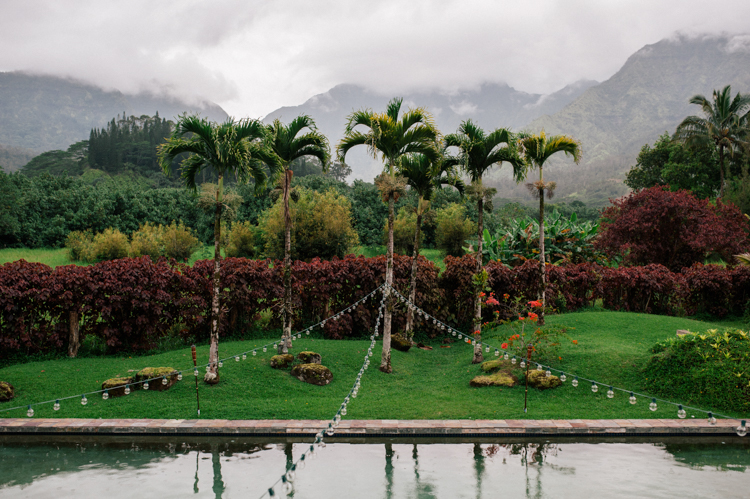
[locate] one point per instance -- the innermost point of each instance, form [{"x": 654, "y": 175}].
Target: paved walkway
[{"x": 372, "y": 427}]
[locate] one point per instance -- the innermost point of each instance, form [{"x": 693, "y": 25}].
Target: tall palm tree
[
  {"x": 289, "y": 143},
  {"x": 536, "y": 150},
  {"x": 392, "y": 138},
  {"x": 232, "y": 147},
  {"x": 477, "y": 153},
  {"x": 424, "y": 175},
  {"x": 724, "y": 125}
]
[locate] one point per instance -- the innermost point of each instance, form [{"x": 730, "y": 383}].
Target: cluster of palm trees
[{"x": 414, "y": 155}]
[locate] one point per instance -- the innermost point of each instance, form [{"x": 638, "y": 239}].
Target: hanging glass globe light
[
  {"x": 497, "y": 353},
  {"x": 236, "y": 358},
  {"x": 632, "y": 398},
  {"x": 594, "y": 387},
  {"x": 523, "y": 364},
  {"x": 84, "y": 400},
  {"x": 291, "y": 475},
  {"x": 179, "y": 376},
  {"x": 652, "y": 406},
  {"x": 145, "y": 385},
  {"x": 681, "y": 412},
  {"x": 506, "y": 356},
  {"x": 56, "y": 407},
  {"x": 307, "y": 332},
  {"x": 208, "y": 368},
  {"x": 164, "y": 381},
  {"x": 460, "y": 336},
  {"x": 711, "y": 418},
  {"x": 244, "y": 356},
  {"x": 538, "y": 367},
  {"x": 330, "y": 430},
  {"x": 105, "y": 395},
  {"x": 453, "y": 332},
  {"x": 574, "y": 382},
  {"x": 301, "y": 462},
  {"x": 343, "y": 411},
  {"x": 255, "y": 352},
  {"x": 548, "y": 373},
  {"x": 486, "y": 349},
  {"x": 513, "y": 360},
  {"x": 30, "y": 412},
  {"x": 265, "y": 349},
  {"x": 195, "y": 372},
  {"x": 285, "y": 485},
  {"x": 610, "y": 393},
  {"x": 741, "y": 429},
  {"x": 127, "y": 387}
]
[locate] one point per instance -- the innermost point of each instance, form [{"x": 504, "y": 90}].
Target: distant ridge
[{"x": 43, "y": 113}]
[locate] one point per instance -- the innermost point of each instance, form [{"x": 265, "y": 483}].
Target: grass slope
[{"x": 612, "y": 348}]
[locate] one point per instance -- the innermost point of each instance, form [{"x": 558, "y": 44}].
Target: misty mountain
[
  {"x": 43, "y": 113},
  {"x": 491, "y": 106}
]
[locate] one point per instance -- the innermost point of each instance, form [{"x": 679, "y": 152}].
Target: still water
[{"x": 229, "y": 468}]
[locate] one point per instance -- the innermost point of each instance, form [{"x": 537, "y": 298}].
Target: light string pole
[
  {"x": 286, "y": 481},
  {"x": 195, "y": 371}
]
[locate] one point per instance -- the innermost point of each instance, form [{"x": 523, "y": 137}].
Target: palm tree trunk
[
  {"x": 478, "y": 357},
  {"x": 542, "y": 269},
  {"x": 721, "y": 171},
  {"x": 287, "y": 333},
  {"x": 212, "y": 376},
  {"x": 413, "y": 281},
  {"x": 385, "y": 360},
  {"x": 73, "y": 333}
]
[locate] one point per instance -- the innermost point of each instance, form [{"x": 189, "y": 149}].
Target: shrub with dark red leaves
[
  {"x": 652, "y": 289},
  {"x": 673, "y": 229},
  {"x": 576, "y": 285},
  {"x": 710, "y": 289}
]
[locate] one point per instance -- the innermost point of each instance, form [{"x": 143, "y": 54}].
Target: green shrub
[
  {"x": 241, "y": 239},
  {"x": 404, "y": 227},
  {"x": 453, "y": 229},
  {"x": 179, "y": 241},
  {"x": 321, "y": 226},
  {"x": 108, "y": 245},
  {"x": 77, "y": 243},
  {"x": 710, "y": 370},
  {"x": 147, "y": 240}
]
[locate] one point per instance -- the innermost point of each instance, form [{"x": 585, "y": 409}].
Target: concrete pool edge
[{"x": 371, "y": 427}]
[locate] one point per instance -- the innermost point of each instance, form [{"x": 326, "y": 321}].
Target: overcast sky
[{"x": 254, "y": 56}]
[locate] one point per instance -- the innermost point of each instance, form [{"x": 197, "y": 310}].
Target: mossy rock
[
  {"x": 496, "y": 365},
  {"x": 282, "y": 361},
  {"x": 315, "y": 374},
  {"x": 540, "y": 380},
  {"x": 400, "y": 343},
  {"x": 500, "y": 378},
  {"x": 309, "y": 357},
  {"x": 6, "y": 391},
  {"x": 116, "y": 386},
  {"x": 156, "y": 372}
]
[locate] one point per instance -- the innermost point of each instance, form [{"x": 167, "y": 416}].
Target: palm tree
[
  {"x": 232, "y": 147},
  {"x": 536, "y": 150},
  {"x": 289, "y": 144},
  {"x": 724, "y": 125},
  {"x": 423, "y": 175},
  {"x": 477, "y": 153},
  {"x": 393, "y": 138}
]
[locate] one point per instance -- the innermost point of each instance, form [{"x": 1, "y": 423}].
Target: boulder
[
  {"x": 6, "y": 391},
  {"x": 400, "y": 343},
  {"x": 315, "y": 374},
  {"x": 500, "y": 378},
  {"x": 540, "y": 380},
  {"x": 309, "y": 357},
  {"x": 282, "y": 361},
  {"x": 116, "y": 386},
  {"x": 157, "y": 372}
]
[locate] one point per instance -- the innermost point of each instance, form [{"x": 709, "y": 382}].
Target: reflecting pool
[{"x": 227, "y": 468}]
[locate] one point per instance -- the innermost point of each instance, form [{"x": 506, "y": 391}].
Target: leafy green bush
[
  {"x": 179, "y": 241},
  {"x": 108, "y": 245},
  {"x": 147, "y": 240},
  {"x": 78, "y": 243},
  {"x": 321, "y": 226},
  {"x": 241, "y": 238},
  {"x": 453, "y": 229},
  {"x": 404, "y": 227},
  {"x": 710, "y": 370}
]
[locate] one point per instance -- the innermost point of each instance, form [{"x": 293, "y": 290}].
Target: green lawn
[
  {"x": 434, "y": 255},
  {"x": 612, "y": 348},
  {"x": 59, "y": 256}
]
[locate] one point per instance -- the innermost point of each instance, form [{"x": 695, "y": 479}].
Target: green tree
[
  {"x": 232, "y": 147},
  {"x": 723, "y": 125},
  {"x": 423, "y": 175},
  {"x": 393, "y": 138},
  {"x": 477, "y": 153},
  {"x": 289, "y": 143},
  {"x": 536, "y": 150}
]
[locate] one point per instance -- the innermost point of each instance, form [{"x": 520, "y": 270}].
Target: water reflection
[{"x": 389, "y": 469}]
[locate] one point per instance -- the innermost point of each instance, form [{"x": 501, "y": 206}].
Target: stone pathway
[{"x": 372, "y": 427}]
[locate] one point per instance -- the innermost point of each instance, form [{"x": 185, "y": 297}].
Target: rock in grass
[
  {"x": 116, "y": 386},
  {"x": 400, "y": 343},
  {"x": 309, "y": 357},
  {"x": 6, "y": 391},
  {"x": 282, "y": 361},
  {"x": 540, "y": 380},
  {"x": 315, "y": 374},
  {"x": 500, "y": 378},
  {"x": 157, "y": 372},
  {"x": 496, "y": 365}
]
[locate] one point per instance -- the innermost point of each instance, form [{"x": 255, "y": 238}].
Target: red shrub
[
  {"x": 710, "y": 289},
  {"x": 649, "y": 289},
  {"x": 673, "y": 229}
]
